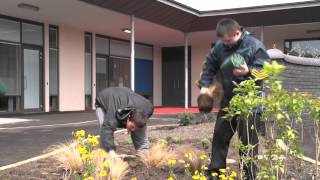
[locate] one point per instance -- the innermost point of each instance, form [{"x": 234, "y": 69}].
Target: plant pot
[{"x": 232, "y": 62}]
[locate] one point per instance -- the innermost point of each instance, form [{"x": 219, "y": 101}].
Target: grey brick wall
[{"x": 302, "y": 77}]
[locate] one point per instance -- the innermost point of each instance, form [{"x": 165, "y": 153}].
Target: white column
[
  {"x": 46, "y": 94},
  {"x": 262, "y": 34},
  {"x": 186, "y": 74},
  {"x": 94, "y": 79},
  {"x": 132, "y": 53}
]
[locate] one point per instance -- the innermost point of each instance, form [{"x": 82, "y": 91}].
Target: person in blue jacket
[{"x": 232, "y": 40}]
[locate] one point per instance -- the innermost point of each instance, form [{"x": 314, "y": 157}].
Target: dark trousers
[{"x": 223, "y": 132}]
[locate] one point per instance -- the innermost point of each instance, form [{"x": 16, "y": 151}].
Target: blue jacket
[{"x": 249, "y": 47}]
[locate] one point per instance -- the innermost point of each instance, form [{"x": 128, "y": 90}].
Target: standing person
[
  {"x": 120, "y": 107},
  {"x": 233, "y": 41}
]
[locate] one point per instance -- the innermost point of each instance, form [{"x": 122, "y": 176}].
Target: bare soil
[{"x": 192, "y": 135}]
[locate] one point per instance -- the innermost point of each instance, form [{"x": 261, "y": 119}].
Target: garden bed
[{"x": 177, "y": 135}]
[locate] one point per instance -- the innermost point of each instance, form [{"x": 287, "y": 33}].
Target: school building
[{"x": 55, "y": 55}]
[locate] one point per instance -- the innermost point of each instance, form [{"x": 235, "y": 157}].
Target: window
[
  {"x": 9, "y": 30},
  {"x": 32, "y": 34},
  {"x": 304, "y": 48},
  {"x": 10, "y": 75},
  {"x": 119, "y": 72},
  {"x": 53, "y": 68},
  {"x": 88, "y": 70}
]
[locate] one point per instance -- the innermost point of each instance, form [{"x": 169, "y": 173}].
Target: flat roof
[
  {"x": 182, "y": 17},
  {"x": 210, "y": 5}
]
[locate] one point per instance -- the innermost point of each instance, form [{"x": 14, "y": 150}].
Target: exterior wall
[
  {"x": 157, "y": 76},
  {"x": 301, "y": 77},
  {"x": 71, "y": 69},
  {"x": 198, "y": 57}
]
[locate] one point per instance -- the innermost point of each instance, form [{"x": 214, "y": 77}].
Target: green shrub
[{"x": 186, "y": 118}]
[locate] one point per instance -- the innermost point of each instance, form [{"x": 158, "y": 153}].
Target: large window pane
[
  {"x": 32, "y": 34},
  {"x": 102, "y": 45},
  {"x": 53, "y": 38},
  {"x": 53, "y": 72},
  {"x": 303, "y": 48},
  {"x": 88, "y": 73},
  {"x": 120, "y": 48},
  {"x": 53, "y": 68},
  {"x": 9, "y": 30},
  {"x": 88, "y": 70},
  {"x": 101, "y": 73},
  {"x": 143, "y": 52},
  {"x": 10, "y": 75},
  {"x": 119, "y": 72}
]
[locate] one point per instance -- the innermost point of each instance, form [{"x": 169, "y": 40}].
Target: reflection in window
[
  {"x": 119, "y": 71},
  {"x": 303, "y": 48},
  {"x": 10, "y": 76},
  {"x": 53, "y": 68}
]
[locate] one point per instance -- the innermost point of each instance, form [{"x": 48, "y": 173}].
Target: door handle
[{"x": 174, "y": 84}]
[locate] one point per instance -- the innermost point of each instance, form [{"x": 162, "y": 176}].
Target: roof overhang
[{"x": 180, "y": 17}]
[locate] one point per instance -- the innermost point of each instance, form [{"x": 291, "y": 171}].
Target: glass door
[{"x": 32, "y": 89}]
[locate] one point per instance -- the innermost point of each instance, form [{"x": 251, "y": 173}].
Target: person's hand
[
  {"x": 204, "y": 90},
  {"x": 241, "y": 71}
]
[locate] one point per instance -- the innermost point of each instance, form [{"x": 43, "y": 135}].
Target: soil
[{"x": 191, "y": 135}]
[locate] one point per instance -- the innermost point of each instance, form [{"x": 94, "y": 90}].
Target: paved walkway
[{"x": 27, "y": 136}]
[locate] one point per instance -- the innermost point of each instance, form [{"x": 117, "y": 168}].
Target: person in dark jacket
[
  {"x": 120, "y": 107},
  {"x": 232, "y": 40}
]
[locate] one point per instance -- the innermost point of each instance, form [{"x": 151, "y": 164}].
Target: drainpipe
[
  {"x": 186, "y": 73},
  {"x": 132, "y": 53}
]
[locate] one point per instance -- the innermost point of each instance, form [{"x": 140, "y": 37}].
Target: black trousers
[{"x": 223, "y": 132}]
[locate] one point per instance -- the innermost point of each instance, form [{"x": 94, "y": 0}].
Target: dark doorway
[{"x": 173, "y": 80}]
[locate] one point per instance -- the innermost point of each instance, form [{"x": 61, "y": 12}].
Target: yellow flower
[
  {"x": 233, "y": 174},
  {"x": 90, "y": 156},
  {"x": 80, "y": 133},
  {"x": 93, "y": 140},
  {"x": 223, "y": 171},
  {"x": 187, "y": 165},
  {"x": 105, "y": 164},
  {"x": 203, "y": 167},
  {"x": 82, "y": 150},
  {"x": 196, "y": 175},
  {"x": 102, "y": 153},
  {"x": 202, "y": 177},
  {"x": 203, "y": 157},
  {"x": 222, "y": 177},
  {"x": 214, "y": 174},
  {"x": 103, "y": 173},
  {"x": 84, "y": 156},
  {"x": 170, "y": 178},
  {"x": 172, "y": 161},
  {"x": 88, "y": 178},
  {"x": 188, "y": 155},
  {"x": 134, "y": 178}
]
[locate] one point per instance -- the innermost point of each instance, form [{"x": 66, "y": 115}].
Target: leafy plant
[
  {"x": 205, "y": 143},
  {"x": 186, "y": 118},
  {"x": 281, "y": 109},
  {"x": 173, "y": 140}
]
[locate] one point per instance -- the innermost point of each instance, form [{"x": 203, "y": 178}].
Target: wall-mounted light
[
  {"x": 126, "y": 30},
  {"x": 28, "y": 7}
]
